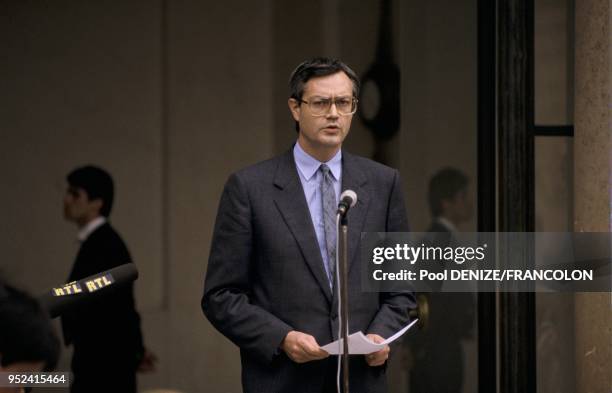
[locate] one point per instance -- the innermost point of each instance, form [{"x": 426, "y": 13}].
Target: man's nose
[{"x": 333, "y": 111}]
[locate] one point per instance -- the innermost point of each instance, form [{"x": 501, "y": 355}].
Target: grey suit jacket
[{"x": 266, "y": 277}]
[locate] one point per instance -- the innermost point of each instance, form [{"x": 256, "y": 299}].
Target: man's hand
[
  {"x": 380, "y": 357},
  {"x": 302, "y": 347}
]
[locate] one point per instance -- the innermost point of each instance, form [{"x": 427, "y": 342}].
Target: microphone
[
  {"x": 347, "y": 200},
  {"x": 60, "y": 299}
]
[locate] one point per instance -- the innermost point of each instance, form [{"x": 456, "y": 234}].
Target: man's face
[
  {"x": 78, "y": 207},
  {"x": 460, "y": 208},
  {"x": 327, "y": 132}
]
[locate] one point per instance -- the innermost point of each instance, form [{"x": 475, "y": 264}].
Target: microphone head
[{"x": 349, "y": 195}]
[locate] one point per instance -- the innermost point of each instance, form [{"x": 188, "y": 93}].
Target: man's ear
[
  {"x": 445, "y": 205},
  {"x": 294, "y": 107},
  {"x": 97, "y": 204}
]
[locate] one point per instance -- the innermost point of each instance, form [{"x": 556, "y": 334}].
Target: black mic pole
[{"x": 343, "y": 261}]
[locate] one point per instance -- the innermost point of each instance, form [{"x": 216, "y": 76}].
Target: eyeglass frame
[{"x": 354, "y": 101}]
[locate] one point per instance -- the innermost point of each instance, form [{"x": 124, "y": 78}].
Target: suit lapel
[
  {"x": 353, "y": 179},
  {"x": 291, "y": 202}
]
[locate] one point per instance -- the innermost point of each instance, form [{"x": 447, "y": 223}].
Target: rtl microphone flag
[{"x": 62, "y": 298}]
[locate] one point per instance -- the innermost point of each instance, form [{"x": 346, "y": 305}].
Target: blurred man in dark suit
[
  {"x": 271, "y": 283},
  {"x": 437, "y": 351},
  {"x": 105, "y": 333},
  {"x": 449, "y": 200}
]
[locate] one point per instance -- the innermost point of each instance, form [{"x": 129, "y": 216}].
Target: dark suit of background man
[
  {"x": 105, "y": 334},
  {"x": 270, "y": 281},
  {"x": 437, "y": 352}
]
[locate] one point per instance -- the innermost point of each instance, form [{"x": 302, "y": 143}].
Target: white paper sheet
[{"x": 359, "y": 344}]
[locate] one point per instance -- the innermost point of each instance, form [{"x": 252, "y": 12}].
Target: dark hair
[
  {"x": 26, "y": 333},
  {"x": 318, "y": 66},
  {"x": 97, "y": 183},
  {"x": 445, "y": 185}
]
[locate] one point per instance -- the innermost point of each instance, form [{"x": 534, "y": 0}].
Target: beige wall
[
  {"x": 593, "y": 176},
  {"x": 219, "y": 120},
  {"x": 169, "y": 106},
  {"x": 82, "y": 86},
  {"x": 554, "y": 62},
  {"x": 438, "y": 41},
  {"x": 438, "y": 98}
]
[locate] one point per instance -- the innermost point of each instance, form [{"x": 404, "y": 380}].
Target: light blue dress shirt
[{"x": 310, "y": 176}]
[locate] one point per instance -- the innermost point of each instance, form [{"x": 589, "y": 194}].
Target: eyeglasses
[{"x": 320, "y": 106}]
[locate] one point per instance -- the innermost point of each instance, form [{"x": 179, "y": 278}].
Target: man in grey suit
[{"x": 270, "y": 285}]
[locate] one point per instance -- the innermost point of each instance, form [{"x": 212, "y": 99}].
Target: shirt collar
[
  {"x": 447, "y": 223},
  {"x": 90, "y": 227},
  {"x": 309, "y": 165}
]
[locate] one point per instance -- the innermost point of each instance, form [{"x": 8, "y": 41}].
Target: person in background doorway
[{"x": 105, "y": 333}]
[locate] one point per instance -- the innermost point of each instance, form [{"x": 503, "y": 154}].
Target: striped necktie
[{"x": 329, "y": 206}]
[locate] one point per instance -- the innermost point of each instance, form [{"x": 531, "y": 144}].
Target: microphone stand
[{"x": 343, "y": 262}]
